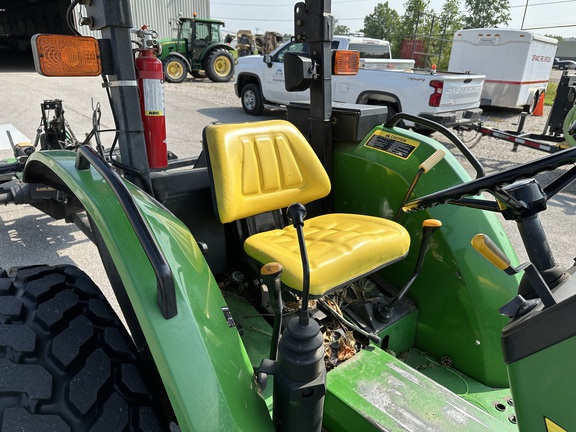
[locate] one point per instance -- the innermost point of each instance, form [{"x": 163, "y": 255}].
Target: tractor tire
[
  {"x": 251, "y": 98},
  {"x": 66, "y": 361},
  {"x": 219, "y": 65},
  {"x": 175, "y": 69}
]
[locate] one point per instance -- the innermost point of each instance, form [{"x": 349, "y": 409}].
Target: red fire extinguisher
[{"x": 150, "y": 76}]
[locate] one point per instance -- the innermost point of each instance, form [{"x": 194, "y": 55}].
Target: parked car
[{"x": 564, "y": 64}]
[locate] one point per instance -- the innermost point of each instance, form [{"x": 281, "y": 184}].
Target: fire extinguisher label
[{"x": 153, "y": 97}]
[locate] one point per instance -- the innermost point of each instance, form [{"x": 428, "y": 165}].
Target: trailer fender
[
  {"x": 198, "y": 352},
  {"x": 533, "y": 98}
]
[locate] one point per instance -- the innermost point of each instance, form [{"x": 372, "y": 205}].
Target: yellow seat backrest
[{"x": 262, "y": 166}]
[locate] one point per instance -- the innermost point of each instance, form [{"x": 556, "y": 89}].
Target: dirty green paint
[
  {"x": 458, "y": 291},
  {"x": 374, "y": 391},
  {"x": 202, "y": 361}
]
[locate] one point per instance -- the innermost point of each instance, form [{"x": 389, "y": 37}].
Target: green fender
[
  {"x": 568, "y": 121},
  {"x": 202, "y": 361},
  {"x": 212, "y": 47}
]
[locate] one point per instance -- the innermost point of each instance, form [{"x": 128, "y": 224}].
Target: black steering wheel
[{"x": 492, "y": 182}]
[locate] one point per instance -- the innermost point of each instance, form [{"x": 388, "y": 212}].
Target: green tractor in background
[{"x": 199, "y": 50}]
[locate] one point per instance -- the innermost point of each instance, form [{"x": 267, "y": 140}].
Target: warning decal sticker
[
  {"x": 393, "y": 144},
  {"x": 553, "y": 427}
]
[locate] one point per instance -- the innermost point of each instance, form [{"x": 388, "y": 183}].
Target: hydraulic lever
[
  {"x": 424, "y": 167},
  {"x": 383, "y": 312},
  {"x": 518, "y": 306},
  {"x": 271, "y": 274}
]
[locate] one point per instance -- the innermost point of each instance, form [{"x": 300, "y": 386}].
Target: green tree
[
  {"x": 341, "y": 29},
  {"x": 384, "y": 23},
  {"x": 482, "y": 13},
  {"x": 416, "y": 17},
  {"x": 450, "y": 21},
  {"x": 559, "y": 38}
]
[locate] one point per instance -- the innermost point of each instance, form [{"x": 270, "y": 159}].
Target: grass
[{"x": 550, "y": 93}]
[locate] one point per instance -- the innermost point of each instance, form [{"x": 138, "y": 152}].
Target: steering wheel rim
[{"x": 490, "y": 182}]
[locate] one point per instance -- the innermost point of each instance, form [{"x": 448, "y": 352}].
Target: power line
[{"x": 542, "y": 4}]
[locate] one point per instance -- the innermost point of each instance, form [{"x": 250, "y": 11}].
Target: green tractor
[
  {"x": 199, "y": 50},
  {"x": 370, "y": 309}
]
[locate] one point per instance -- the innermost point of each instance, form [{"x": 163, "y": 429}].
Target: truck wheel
[
  {"x": 219, "y": 66},
  {"x": 175, "y": 70},
  {"x": 66, "y": 361},
  {"x": 251, "y": 98}
]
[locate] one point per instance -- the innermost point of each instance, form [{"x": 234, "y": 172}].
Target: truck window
[
  {"x": 374, "y": 51},
  {"x": 293, "y": 47}
]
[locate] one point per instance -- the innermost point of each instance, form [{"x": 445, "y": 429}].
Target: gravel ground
[
  {"x": 190, "y": 106},
  {"x": 497, "y": 155}
]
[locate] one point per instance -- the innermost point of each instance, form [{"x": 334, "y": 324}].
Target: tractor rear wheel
[
  {"x": 219, "y": 65},
  {"x": 66, "y": 361},
  {"x": 175, "y": 69}
]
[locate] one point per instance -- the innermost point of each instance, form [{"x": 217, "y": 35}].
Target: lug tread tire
[
  {"x": 66, "y": 361},
  {"x": 175, "y": 79},
  {"x": 210, "y": 63},
  {"x": 251, "y": 99}
]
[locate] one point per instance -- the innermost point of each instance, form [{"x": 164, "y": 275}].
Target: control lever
[
  {"x": 271, "y": 274},
  {"x": 518, "y": 306},
  {"x": 296, "y": 214},
  {"x": 424, "y": 167},
  {"x": 429, "y": 226}
]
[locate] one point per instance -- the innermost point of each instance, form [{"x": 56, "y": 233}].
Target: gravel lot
[{"x": 190, "y": 106}]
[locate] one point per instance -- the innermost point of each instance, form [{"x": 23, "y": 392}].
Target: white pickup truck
[{"x": 447, "y": 98}]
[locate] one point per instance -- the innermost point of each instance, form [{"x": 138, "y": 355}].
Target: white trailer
[{"x": 517, "y": 64}]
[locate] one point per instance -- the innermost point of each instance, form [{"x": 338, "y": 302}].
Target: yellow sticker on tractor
[
  {"x": 553, "y": 427},
  {"x": 391, "y": 143}
]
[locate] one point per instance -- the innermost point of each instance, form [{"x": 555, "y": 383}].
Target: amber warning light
[
  {"x": 59, "y": 55},
  {"x": 346, "y": 62}
]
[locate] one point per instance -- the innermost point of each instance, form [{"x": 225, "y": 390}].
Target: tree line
[{"x": 425, "y": 33}]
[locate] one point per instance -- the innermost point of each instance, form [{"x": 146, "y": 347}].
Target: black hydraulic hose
[{"x": 444, "y": 131}]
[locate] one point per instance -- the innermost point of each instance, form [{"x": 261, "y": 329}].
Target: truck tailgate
[{"x": 461, "y": 91}]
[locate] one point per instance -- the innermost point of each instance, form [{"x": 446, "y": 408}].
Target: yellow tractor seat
[{"x": 265, "y": 166}]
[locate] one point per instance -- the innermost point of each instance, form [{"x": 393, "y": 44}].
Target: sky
[{"x": 277, "y": 15}]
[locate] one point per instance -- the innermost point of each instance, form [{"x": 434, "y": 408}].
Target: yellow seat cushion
[
  {"x": 263, "y": 166},
  {"x": 341, "y": 248}
]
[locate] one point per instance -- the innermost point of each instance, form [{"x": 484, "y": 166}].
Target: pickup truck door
[{"x": 274, "y": 90}]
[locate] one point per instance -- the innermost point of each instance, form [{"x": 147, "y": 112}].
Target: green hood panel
[
  {"x": 458, "y": 291},
  {"x": 197, "y": 354}
]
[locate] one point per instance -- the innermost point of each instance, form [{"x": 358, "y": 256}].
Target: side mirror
[
  {"x": 268, "y": 60},
  {"x": 297, "y": 71}
]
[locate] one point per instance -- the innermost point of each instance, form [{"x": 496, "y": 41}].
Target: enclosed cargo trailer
[{"x": 517, "y": 64}]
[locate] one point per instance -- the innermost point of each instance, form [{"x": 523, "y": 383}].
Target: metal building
[
  {"x": 20, "y": 19},
  {"x": 156, "y": 14}
]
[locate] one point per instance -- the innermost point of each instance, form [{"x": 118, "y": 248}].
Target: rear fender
[
  {"x": 200, "y": 357},
  {"x": 210, "y": 48},
  {"x": 177, "y": 54}
]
